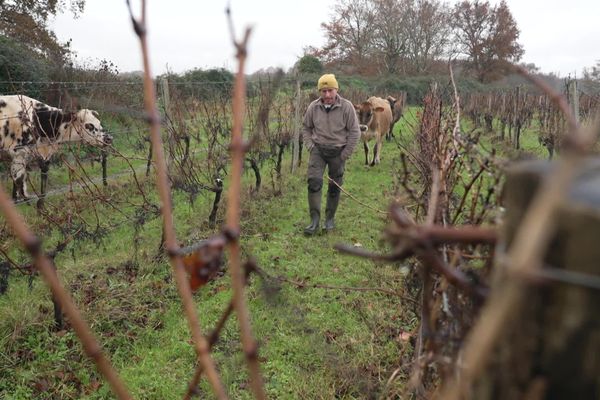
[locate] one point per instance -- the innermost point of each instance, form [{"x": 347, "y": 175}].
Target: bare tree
[
  {"x": 592, "y": 76},
  {"x": 350, "y": 34},
  {"x": 384, "y": 35},
  {"x": 428, "y": 29},
  {"x": 593, "y": 72},
  {"x": 391, "y": 33}
]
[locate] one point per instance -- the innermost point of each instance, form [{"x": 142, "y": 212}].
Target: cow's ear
[
  {"x": 379, "y": 109},
  {"x": 95, "y": 113},
  {"x": 356, "y": 107}
]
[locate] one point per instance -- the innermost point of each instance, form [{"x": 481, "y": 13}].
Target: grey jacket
[{"x": 336, "y": 128}]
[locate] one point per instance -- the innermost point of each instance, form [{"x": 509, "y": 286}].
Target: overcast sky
[{"x": 558, "y": 36}]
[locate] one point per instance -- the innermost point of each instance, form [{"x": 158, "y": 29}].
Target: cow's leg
[
  {"x": 18, "y": 173},
  {"x": 366, "y": 147},
  {"x": 14, "y": 172},
  {"x": 14, "y": 190},
  {"x": 375, "y": 147},
  {"x": 377, "y": 151},
  {"x": 22, "y": 187}
]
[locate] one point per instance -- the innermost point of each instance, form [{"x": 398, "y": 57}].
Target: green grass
[{"x": 315, "y": 343}]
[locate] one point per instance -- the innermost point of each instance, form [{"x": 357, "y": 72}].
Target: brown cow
[
  {"x": 374, "y": 118},
  {"x": 397, "y": 106}
]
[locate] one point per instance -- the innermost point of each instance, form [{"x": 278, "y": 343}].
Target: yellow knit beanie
[{"x": 327, "y": 81}]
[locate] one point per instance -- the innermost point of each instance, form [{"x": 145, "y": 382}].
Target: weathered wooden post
[
  {"x": 574, "y": 99},
  {"x": 551, "y": 349},
  {"x": 517, "y": 118},
  {"x": 296, "y": 138},
  {"x": 104, "y": 155},
  {"x": 166, "y": 100},
  {"x": 503, "y": 114}
]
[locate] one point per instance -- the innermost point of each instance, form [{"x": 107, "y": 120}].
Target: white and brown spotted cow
[
  {"x": 374, "y": 118},
  {"x": 30, "y": 129}
]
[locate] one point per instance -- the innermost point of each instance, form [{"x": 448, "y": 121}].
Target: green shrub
[{"x": 17, "y": 64}]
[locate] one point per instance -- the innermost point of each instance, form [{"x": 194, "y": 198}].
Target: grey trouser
[{"x": 321, "y": 156}]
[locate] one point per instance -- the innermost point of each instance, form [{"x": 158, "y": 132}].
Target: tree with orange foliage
[
  {"x": 488, "y": 37},
  {"x": 26, "y": 22}
]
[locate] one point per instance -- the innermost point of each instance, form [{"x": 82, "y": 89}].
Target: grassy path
[{"x": 316, "y": 343}]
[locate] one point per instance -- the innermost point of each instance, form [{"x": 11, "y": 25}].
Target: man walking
[{"x": 330, "y": 133}]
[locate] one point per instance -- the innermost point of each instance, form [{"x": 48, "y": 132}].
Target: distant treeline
[{"x": 24, "y": 71}]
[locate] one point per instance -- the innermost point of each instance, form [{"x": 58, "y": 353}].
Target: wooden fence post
[
  {"x": 103, "y": 157},
  {"x": 516, "y": 117},
  {"x": 166, "y": 99},
  {"x": 575, "y": 99},
  {"x": 551, "y": 345},
  {"x": 164, "y": 90},
  {"x": 296, "y": 139}
]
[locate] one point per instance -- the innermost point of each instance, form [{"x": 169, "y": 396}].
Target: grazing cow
[
  {"x": 30, "y": 129},
  {"x": 397, "y": 106},
  {"x": 374, "y": 118}
]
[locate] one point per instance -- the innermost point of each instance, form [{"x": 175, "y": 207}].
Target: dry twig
[
  {"x": 238, "y": 149},
  {"x": 200, "y": 343}
]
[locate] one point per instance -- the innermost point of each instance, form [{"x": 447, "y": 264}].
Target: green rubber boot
[
  {"x": 314, "y": 206},
  {"x": 330, "y": 209}
]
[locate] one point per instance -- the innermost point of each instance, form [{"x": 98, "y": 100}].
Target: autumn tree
[
  {"x": 410, "y": 36},
  {"x": 26, "y": 22},
  {"x": 487, "y": 36},
  {"x": 350, "y": 35}
]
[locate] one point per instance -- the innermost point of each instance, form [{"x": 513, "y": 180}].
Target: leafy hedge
[{"x": 415, "y": 86}]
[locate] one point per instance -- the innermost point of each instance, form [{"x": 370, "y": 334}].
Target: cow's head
[
  {"x": 392, "y": 101},
  {"x": 365, "y": 113},
  {"x": 90, "y": 128}
]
